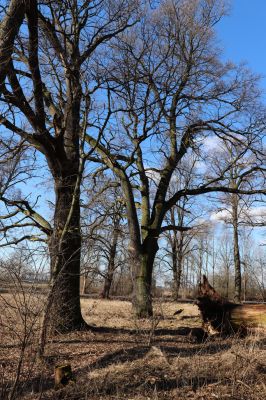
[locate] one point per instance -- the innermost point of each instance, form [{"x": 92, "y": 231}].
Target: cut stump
[
  {"x": 222, "y": 316},
  {"x": 63, "y": 375}
]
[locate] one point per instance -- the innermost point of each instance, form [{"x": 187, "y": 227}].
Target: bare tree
[
  {"x": 104, "y": 229},
  {"x": 20, "y": 312},
  {"x": 172, "y": 93},
  {"x": 46, "y": 100},
  {"x": 226, "y": 257},
  {"x": 260, "y": 275},
  {"x": 111, "y": 259},
  {"x": 235, "y": 209},
  {"x": 184, "y": 214}
]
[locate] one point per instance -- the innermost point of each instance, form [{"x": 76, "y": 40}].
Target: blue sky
[{"x": 242, "y": 34}]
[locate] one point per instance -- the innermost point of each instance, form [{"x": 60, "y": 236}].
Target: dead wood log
[{"x": 222, "y": 316}]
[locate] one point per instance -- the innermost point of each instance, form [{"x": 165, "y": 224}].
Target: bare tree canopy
[
  {"x": 171, "y": 94},
  {"x": 140, "y": 89},
  {"x": 46, "y": 100}
]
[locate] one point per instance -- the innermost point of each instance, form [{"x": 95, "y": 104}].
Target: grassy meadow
[{"x": 124, "y": 358}]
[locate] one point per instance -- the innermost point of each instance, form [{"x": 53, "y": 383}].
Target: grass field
[{"x": 137, "y": 359}]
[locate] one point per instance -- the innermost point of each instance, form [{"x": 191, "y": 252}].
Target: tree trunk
[
  {"x": 237, "y": 262},
  {"x": 142, "y": 263},
  {"x": 221, "y": 316},
  {"x": 111, "y": 264},
  {"x": 65, "y": 256},
  {"x": 83, "y": 285},
  {"x": 105, "y": 294},
  {"x": 227, "y": 280},
  {"x": 177, "y": 270},
  {"x": 200, "y": 264},
  {"x": 175, "y": 274},
  {"x": 142, "y": 283}
]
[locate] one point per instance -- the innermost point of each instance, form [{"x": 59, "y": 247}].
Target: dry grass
[
  {"x": 144, "y": 359},
  {"x": 114, "y": 313}
]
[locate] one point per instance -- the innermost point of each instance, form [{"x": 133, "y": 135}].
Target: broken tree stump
[
  {"x": 222, "y": 316},
  {"x": 63, "y": 375}
]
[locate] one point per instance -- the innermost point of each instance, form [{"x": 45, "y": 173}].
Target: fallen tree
[{"x": 222, "y": 316}]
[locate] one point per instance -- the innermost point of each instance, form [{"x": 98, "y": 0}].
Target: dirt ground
[{"x": 125, "y": 358}]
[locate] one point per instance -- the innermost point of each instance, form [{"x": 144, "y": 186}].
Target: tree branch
[
  {"x": 8, "y": 31},
  {"x": 174, "y": 228},
  {"x": 32, "y": 16},
  {"x": 27, "y": 210},
  {"x": 32, "y": 238}
]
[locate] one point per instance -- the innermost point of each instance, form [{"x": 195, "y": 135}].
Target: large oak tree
[
  {"x": 173, "y": 94},
  {"x": 47, "y": 96}
]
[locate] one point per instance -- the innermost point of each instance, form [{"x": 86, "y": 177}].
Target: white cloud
[
  {"x": 153, "y": 175},
  {"x": 220, "y": 216},
  {"x": 256, "y": 215},
  {"x": 211, "y": 143},
  {"x": 258, "y": 211}
]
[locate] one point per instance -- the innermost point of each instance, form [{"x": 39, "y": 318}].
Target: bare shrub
[{"x": 20, "y": 310}]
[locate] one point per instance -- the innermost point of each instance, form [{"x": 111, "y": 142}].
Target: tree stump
[
  {"x": 222, "y": 316},
  {"x": 63, "y": 375}
]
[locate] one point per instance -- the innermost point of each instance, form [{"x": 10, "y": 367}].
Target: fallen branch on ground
[{"x": 222, "y": 316}]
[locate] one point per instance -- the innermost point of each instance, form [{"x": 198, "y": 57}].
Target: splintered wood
[{"x": 222, "y": 316}]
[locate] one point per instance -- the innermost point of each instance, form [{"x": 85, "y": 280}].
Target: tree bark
[
  {"x": 142, "y": 263},
  {"x": 65, "y": 256},
  {"x": 65, "y": 243},
  {"x": 142, "y": 283}
]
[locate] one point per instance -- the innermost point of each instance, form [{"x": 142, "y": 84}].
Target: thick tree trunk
[
  {"x": 142, "y": 263},
  {"x": 65, "y": 256},
  {"x": 221, "y": 316},
  {"x": 142, "y": 283},
  {"x": 62, "y": 311},
  {"x": 65, "y": 243}
]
